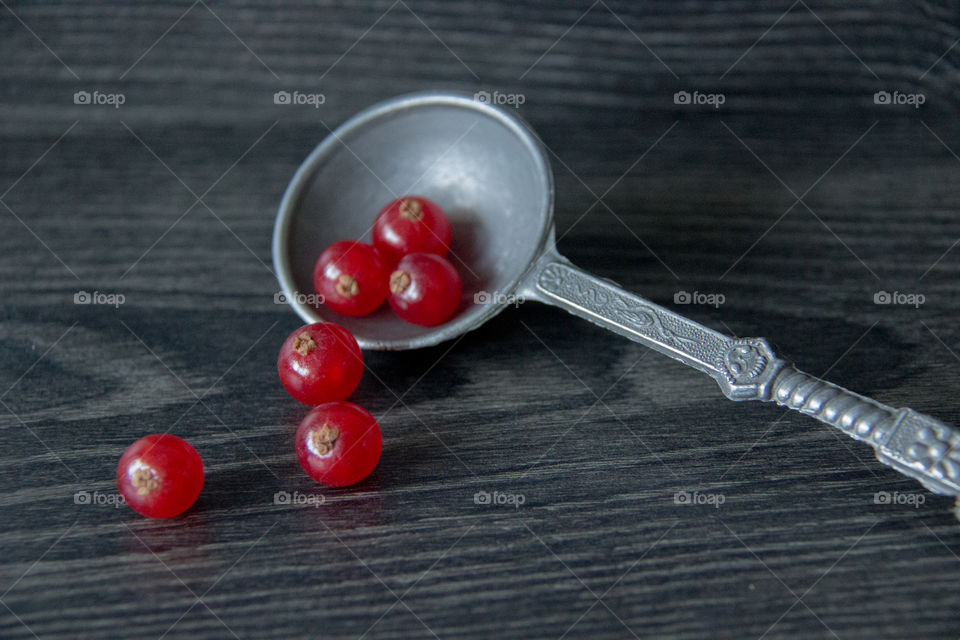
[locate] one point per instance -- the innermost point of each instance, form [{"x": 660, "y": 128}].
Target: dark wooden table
[{"x": 797, "y": 199}]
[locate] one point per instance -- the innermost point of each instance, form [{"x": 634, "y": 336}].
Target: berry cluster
[
  {"x": 338, "y": 443},
  {"x": 405, "y": 265}
]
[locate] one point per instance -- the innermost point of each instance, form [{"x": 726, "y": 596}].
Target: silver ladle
[{"x": 490, "y": 172}]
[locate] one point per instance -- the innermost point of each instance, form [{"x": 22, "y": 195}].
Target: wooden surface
[{"x": 594, "y": 432}]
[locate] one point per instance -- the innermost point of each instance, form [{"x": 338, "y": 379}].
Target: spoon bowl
[{"x": 483, "y": 166}]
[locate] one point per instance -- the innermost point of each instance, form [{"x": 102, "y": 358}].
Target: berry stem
[
  {"x": 347, "y": 286},
  {"x": 145, "y": 481},
  {"x": 411, "y": 209},
  {"x": 323, "y": 439},
  {"x": 304, "y": 344},
  {"x": 399, "y": 281}
]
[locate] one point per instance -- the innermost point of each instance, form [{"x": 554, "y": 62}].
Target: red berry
[
  {"x": 424, "y": 289},
  {"x": 338, "y": 444},
  {"x": 352, "y": 277},
  {"x": 160, "y": 475},
  {"x": 409, "y": 225},
  {"x": 319, "y": 363}
]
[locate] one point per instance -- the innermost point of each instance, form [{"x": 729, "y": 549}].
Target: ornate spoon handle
[{"x": 746, "y": 369}]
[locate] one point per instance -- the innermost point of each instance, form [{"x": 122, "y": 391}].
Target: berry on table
[
  {"x": 352, "y": 277},
  {"x": 409, "y": 225},
  {"x": 160, "y": 475},
  {"x": 425, "y": 289},
  {"x": 338, "y": 444},
  {"x": 319, "y": 363}
]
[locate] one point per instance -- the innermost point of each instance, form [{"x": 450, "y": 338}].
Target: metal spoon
[{"x": 490, "y": 172}]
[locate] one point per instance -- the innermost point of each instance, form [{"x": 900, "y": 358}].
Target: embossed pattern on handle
[
  {"x": 608, "y": 305},
  {"x": 926, "y": 449},
  {"x": 856, "y": 415},
  {"x": 915, "y": 444}
]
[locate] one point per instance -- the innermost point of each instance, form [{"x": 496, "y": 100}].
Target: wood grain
[{"x": 693, "y": 198}]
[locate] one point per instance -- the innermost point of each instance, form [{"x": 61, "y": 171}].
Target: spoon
[{"x": 489, "y": 171}]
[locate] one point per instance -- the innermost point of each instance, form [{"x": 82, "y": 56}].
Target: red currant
[
  {"x": 338, "y": 444},
  {"x": 352, "y": 277},
  {"x": 424, "y": 289},
  {"x": 319, "y": 363},
  {"x": 411, "y": 224},
  {"x": 160, "y": 475}
]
